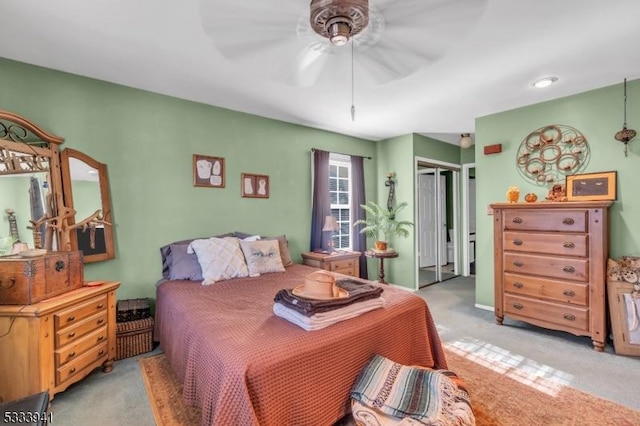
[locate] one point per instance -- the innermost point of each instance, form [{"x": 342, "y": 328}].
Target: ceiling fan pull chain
[{"x": 353, "y": 106}]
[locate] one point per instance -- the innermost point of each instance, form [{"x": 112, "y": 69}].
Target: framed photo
[
  {"x": 624, "y": 308},
  {"x": 591, "y": 186},
  {"x": 208, "y": 171},
  {"x": 254, "y": 186}
]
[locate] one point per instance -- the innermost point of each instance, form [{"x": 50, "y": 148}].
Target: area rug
[{"x": 497, "y": 400}]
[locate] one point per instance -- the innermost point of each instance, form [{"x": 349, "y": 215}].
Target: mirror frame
[
  {"x": 105, "y": 197},
  {"x": 18, "y": 134}
]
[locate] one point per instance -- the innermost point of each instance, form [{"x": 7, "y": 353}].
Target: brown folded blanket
[{"x": 358, "y": 291}]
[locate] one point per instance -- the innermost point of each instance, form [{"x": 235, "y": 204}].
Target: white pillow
[
  {"x": 219, "y": 258},
  {"x": 251, "y": 238},
  {"x": 262, "y": 256}
]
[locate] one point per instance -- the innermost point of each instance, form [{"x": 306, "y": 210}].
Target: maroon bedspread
[{"x": 242, "y": 365}]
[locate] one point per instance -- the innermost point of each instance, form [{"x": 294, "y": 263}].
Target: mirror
[
  {"x": 86, "y": 190},
  {"x": 22, "y": 203},
  {"x": 30, "y": 186}
]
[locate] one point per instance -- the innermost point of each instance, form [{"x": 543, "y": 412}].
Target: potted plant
[{"x": 382, "y": 222}]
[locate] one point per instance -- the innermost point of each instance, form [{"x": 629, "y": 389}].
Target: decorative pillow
[
  {"x": 627, "y": 269},
  {"x": 184, "y": 266},
  {"x": 165, "y": 252},
  {"x": 283, "y": 245},
  {"x": 251, "y": 238},
  {"x": 262, "y": 256},
  {"x": 219, "y": 258}
]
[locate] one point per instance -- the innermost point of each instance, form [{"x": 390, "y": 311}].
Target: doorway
[
  {"x": 437, "y": 224},
  {"x": 468, "y": 219}
]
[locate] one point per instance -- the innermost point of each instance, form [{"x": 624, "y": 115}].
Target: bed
[{"x": 243, "y": 365}]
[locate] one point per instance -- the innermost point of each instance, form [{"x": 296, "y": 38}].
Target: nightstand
[{"x": 346, "y": 263}]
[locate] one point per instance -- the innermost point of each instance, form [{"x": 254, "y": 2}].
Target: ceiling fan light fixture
[
  {"x": 339, "y": 20},
  {"x": 339, "y": 30}
]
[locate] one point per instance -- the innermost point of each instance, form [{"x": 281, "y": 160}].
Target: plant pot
[{"x": 380, "y": 245}]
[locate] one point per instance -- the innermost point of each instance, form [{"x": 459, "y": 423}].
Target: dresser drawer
[
  {"x": 569, "y": 316},
  {"x": 346, "y": 266},
  {"x": 546, "y": 220},
  {"x": 547, "y": 243},
  {"x": 542, "y": 288},
  {"x": 565, "y": 268},
  {"x": 73, "y": 351},
  {"x": 77, "y": 313},
  {"x": 75, "y": 332},
  {"x": 94, "y": 357}
]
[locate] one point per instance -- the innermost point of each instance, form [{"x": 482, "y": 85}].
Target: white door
[{"x": 430, "y": 221}]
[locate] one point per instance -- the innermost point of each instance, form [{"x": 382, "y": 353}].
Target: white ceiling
[{"x": 453, "y": 60}]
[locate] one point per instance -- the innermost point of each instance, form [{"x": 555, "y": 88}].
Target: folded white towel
[
  {"x": 325, "y": 319},
  {"x": 633, "y": 318}
]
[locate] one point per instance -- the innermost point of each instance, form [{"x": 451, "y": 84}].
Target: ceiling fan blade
[
  {"x": 306, "y": 67},
  {"x": 233, "y": 25}
]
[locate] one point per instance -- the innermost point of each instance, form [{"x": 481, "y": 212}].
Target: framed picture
[
  {"x": 254, "y": 186},
  {"x": 591, "y": 186},
  {"x": 208, "y": 171},
  {"x": 624, "y": 308}
]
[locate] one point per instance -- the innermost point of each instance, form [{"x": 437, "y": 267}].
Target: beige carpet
[{"x": 496, "y": 399}]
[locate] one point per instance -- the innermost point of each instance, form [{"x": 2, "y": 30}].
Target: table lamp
[{"x": 330, "y": 225}]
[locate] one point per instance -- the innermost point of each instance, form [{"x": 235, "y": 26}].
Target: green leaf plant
[{"x": 381, "y": 221}]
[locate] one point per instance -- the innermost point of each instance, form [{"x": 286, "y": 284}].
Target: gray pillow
[
  {"x": 184, "y": 266},
  {"x": 165, "y": 252}
]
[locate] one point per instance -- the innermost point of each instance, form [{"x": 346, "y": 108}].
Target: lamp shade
[
  {"x": 330, "y": 224},
  {"x": 465, "y": 140}
]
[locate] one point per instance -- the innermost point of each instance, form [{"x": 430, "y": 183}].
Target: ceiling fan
[{"x": 302, "y": 44}]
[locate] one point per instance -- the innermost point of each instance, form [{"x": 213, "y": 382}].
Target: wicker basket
[{"x": 134, "y": 338}]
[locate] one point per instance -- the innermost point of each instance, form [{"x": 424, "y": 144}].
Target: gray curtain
[
  {"x": 321, "y": 204},
  {"x": 357, "y": 186}
]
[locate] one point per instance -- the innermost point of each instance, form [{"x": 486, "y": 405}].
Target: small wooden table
[
  {"x": 346, "y": 263},
  {"x": 382, "y": 255}
]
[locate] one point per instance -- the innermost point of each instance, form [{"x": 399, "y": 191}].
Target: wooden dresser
[
  {"x": 341, "y": 262},
  {"x": 51, "y": 344},
  {"x": 550, "y": 265}
]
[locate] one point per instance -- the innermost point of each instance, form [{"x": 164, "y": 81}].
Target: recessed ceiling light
[{"x": 544, "y": 82}]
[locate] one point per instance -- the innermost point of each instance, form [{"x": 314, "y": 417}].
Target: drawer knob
[
  {"x": 569, "y": 293},
  {"x": 518, "y": 305},
  {"x": 59, "y": 265},
  {"x": 518, "y": 284},
  {"x": 101, "y": 320},
  {"x": 569, "y": 317},
  {"x": 72, "y": 334},
  {"x": 73, "y": 370},
  {"x": 100, "y": 339},
  {"x": 101, "y": 352},
  {"x": 72, "y": 354},
  {"x": 568, "y": 221},
  {"x": 517, "y": 263},
  {"x": 71, "y": 318},
  {"x": 517, "y": 220},
  {"x": 100, "y": 306},
  {"x": 569, "y": 269},
  {"x": 569, "y": 245},
  {"x": 517, "y": 242}
]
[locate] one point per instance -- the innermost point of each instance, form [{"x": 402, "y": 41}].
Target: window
[{"x": 340, "y": 196}]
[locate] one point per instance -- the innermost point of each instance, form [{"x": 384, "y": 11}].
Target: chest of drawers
[
  {"x": 342, "y": 263},
  {"x": 550, "y": 265},
  {"x": 51, "y": 344}
]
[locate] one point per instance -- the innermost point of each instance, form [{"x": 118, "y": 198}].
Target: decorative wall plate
[{"x": 547, "y": 155}]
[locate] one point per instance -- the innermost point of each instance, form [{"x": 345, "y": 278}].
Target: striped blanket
[{"x": 432, "y": 397}]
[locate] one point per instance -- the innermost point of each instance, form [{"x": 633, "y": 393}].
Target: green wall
[
  {"x": 147, "y": 141},
  {"x": 598, "y": 114}
]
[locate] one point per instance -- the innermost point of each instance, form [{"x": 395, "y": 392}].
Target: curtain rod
[{"x": 341, "y": 153}]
